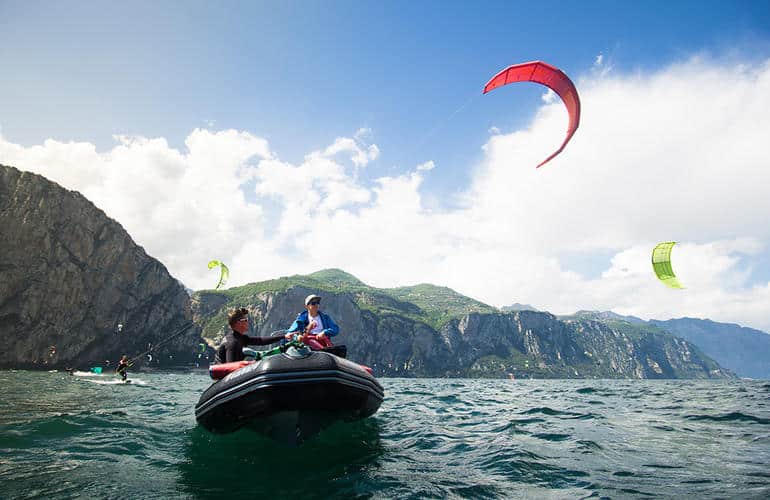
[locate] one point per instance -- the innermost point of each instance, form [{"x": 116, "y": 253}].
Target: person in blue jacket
[{"x": 317, "y": 327}]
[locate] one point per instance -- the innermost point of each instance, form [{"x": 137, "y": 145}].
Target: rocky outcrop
[
  {"x": 70, "y": 275},
  {"x": 743, "y": 350},
  {"x": 522, "y": 343}
]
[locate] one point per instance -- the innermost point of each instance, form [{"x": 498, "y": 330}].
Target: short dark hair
[{"x": 235, "y": 314}]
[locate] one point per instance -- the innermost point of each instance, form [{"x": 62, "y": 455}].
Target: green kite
[
  {"x": 224, "y": 272},
  {"x": 661, "y": 264}
]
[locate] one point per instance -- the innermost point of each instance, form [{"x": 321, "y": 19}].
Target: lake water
[{"x": 64, "y": 436}]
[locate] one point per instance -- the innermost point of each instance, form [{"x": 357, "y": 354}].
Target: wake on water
[
  {"x": 107, "y": 379},
  {"x": 130, "y": 381}
]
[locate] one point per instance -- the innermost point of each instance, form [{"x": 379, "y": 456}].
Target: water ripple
[
  {"x": 730, "y": 417},
  {"x": 63, "y": 438}
]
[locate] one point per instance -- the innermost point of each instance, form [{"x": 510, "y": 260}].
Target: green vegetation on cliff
[
  {"x": 429, "y": 304},
  {"x": 428, "y": 331}
]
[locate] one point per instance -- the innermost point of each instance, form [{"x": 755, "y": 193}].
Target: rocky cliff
[
  {"x": 75, "y": 290},
  {"x": 743, "y": 350},
  {"x": 428, "y": 331}
]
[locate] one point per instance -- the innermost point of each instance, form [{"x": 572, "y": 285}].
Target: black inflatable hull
[{"x": 290, "y": 397}]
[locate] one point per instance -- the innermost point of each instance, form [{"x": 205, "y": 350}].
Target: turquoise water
[{"x": 64, "y": 436}]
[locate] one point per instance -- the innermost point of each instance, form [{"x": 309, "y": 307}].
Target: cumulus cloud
[
  {"x": 360, "y": 154},
  {"x": 601, "y": 67},
  {"x": 676, "y": 154},
  {"x": 549, "y": 96}
]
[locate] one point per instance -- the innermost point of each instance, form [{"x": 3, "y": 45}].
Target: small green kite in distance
[
  {"x": 661, "y": 264},
  {"x": 224, "y": 272}
]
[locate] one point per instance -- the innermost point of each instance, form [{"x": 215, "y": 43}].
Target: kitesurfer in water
[
  {"x": 315, "y": 326},
  {"x": 231, "y": 348},
  {"x": 123, "y": 365}
]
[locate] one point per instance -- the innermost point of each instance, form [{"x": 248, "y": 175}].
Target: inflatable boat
[{"x": 290, "y": 395}]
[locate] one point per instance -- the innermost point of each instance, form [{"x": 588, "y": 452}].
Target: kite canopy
[
  {"x": 553, "y": 78},
  {"x": 223, "y": 274},
  {"x": 661, "y": 264}
]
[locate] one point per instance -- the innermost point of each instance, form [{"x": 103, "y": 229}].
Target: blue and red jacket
[{"x": 330, "y": 327}]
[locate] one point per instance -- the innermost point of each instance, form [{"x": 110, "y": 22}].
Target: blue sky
[
  {"x": 401, "y": 83},
  {"x": 302, "y": 73}
]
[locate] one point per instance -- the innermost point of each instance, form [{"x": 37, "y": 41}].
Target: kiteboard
[{"x": 130, "y": 381}]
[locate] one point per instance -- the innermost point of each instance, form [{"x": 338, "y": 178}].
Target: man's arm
[
  {"x": 331, "y": 328},
  {"x": 297, "y": 326},
  {"x": 264, "y": 340}
]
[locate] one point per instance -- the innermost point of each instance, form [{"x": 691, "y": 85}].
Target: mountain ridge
[
  {"x": 427, "y": 330},
  {"x": 741, "y": 349}
]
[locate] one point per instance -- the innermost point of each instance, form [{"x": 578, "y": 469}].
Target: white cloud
[
  {"x": 677, "y": 154},
  {"x": 428, "y": 165},
  {"x": 362, "y": 134},
  {"x": 360, "y": 154},
  {"x": 183, "y": 207},
  {"x": 549, "y": 96},
  {"x": 602, "y": 66}
]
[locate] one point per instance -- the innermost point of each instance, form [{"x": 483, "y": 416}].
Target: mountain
[
  {"x": 743, "y": 350},
  {"x": 430, "y": 331},
  {"x": 518, "y": 307},
  {"x": 75, "y": 290},
  {"x": 607, "y": 315}
]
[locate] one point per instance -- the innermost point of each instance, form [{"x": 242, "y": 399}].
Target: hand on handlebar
[{"x": 298, "y": 336}]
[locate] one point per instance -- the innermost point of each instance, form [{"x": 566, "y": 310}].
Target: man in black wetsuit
[
  {"x": 122, "y": 367},
  {"x": 232, "y": 347}
]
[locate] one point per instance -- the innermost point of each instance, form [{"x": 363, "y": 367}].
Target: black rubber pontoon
[{"x": 290, "y": 396}]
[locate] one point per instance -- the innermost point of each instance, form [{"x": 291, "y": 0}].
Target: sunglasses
[
  {"x": 243, "y": 319},
  {"x": 314, "y": 302}
]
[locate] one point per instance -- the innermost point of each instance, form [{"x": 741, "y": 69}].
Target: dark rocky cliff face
[
  {"x": 69, "y": 275},
  {"x": 523, "y": 343}
]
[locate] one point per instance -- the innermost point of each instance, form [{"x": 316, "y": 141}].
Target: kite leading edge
[{"x": 553, "y": 78}]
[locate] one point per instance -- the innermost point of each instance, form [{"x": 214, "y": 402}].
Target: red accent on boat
[
  {"x": 315, "y": 342},
  {"x": 223, "y": 369}
]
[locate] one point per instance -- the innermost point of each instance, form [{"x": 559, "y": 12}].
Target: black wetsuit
[
  {"x": 232, "y": 347},
  {"x": 121, "y": 369}
]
